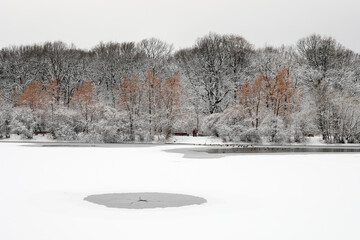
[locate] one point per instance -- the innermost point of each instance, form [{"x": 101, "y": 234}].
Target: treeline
[{"x": 146, "y": 91}]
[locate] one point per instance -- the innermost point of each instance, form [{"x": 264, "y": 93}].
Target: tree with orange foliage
[
  {"x": 53, "y": 91},
  {"x": 250, "y": 96},
  {"x": 33, "y": 95},
  {"x": 275, "y": 94},
  {"x": 172, "y": 98},
  {"x": 129, "y": 101},
  {"x": 83, "y": 99},
  {"x": 280, "y": 93}
]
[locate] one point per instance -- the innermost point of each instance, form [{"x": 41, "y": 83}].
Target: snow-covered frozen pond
[{"x": 259, "y": 196}]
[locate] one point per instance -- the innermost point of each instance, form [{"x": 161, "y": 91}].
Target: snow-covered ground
[
  {"x": 36, "y": 138},
  {"x": 267, "y": 197}
]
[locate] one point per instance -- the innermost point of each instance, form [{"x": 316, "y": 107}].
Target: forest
[{"x": 147, "y": 91}]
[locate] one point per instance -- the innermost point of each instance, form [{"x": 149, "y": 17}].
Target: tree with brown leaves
[
  {"x": 173, "y": 100},
  {"x": 280, "y": 93},
  {"x": 129, "y": 101},
  {"x": 33, "y": 95},
  {"x": 265, "y": 94},
  {"x": 250, "y": 96},
  {"x": 83, "y": 99}
]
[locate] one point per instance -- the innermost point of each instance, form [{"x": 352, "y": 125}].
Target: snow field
[{"x": 249, "y": 196}]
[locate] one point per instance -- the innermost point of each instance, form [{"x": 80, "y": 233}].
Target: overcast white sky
[{"x": 262, "y": 22}]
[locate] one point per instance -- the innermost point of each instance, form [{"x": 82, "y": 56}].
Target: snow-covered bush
[
  {"x": 5, "y": 118},
  {"x": 231, "y": 125},
  {"x": 66, "y": 124},
  {"x": 274, "y": 130},
  {"x": 304, "y": 122},
  {"x": 112, "y": 134},
  {"x": 23, "y": 122},
  {"x": 251, "y": 135},
  {"x": 210, "y": 125},
  {"x": 183, "y": 121},
  {"x": 108, "y": 126}
]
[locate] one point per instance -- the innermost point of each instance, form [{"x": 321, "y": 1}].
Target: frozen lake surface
[
  {"x": 285, "y": 149},
  {"x": 249, "y": 196}
]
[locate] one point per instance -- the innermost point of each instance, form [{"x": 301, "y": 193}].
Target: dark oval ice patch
[{"x": 144, "y": 200}]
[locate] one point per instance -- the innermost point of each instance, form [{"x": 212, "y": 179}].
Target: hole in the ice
[{"x": 144, "y": 200}]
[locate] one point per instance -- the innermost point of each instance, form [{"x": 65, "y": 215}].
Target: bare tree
[{"x": 214, "y": 68}]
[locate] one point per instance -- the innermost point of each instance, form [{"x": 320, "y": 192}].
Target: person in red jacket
[{"x": 194, "y": 133}]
